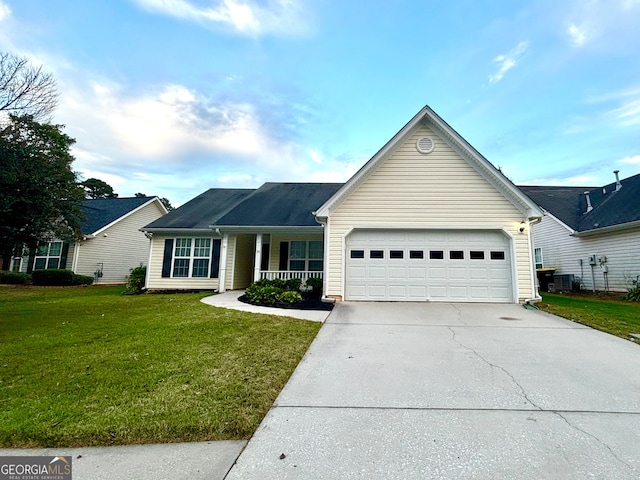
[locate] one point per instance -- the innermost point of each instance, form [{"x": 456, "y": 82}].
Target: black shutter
[
  {"x": 264, "y": 260},
  {"x": 284, "y": 256},
  {"x": 32, "y": 260},
  {"x": 64, "y": 255},
  {"x": 215, "y": 261},
  {"x": 166, "y": 260}
]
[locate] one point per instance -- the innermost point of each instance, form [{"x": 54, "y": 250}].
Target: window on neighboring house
[
  {"x": 537, "y": 253},
  {"x": 306, "y": 255},
  {"x": 48, "y": 256},
  {"x": 191, "y": 257}
]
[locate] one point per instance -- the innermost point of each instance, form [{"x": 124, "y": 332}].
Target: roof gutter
[{"x": 610, "y": 228}]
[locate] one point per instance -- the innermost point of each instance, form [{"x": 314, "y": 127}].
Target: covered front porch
[{"x": 283, "y": 254}]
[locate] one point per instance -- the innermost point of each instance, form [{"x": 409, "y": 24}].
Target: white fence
[{"x": 289, "y": 274}]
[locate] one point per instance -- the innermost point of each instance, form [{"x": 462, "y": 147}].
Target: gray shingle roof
[
  {"x": 101, "y": 212},
  {"x": 202, "y": 211},
  {"x": 610, "y": 207},
  {"x": 271, "y": 205},
  {"x": 281, "y": 205}
]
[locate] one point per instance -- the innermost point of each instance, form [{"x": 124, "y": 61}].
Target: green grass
[
  {"x": 88, "y": 366},
  {"x": 609, "y": 315}
]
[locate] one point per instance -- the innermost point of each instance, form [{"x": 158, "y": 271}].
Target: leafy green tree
[
  {"x": 96, "y": 188},
  {"x": 165, "y": 201},
  {"x": 39, "y": 195}
]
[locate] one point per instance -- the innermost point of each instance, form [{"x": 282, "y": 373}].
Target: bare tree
[{"x": 25, "y": 89}]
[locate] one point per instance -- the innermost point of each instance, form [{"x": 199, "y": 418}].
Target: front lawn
[
  {"x": 84, "y": 366},
  {"x": 610, "y": 315}
]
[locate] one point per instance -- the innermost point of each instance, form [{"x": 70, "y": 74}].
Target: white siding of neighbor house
[
  {"x": 436, "y": 190},
  {"x": 563, "y": 252},
  {"x": 157, "y": 282},
  {"x": 120, "y": 247}
]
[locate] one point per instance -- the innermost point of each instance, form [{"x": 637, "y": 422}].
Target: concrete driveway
[{"x": 428, "y": 390}]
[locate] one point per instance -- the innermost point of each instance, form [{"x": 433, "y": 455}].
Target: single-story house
[
  {"x": 592, "y": 233},
  {"x": 427, "y": 218},
  {"x": 111, "y": 245}
]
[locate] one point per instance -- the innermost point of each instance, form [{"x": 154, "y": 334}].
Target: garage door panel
[{"x": 437, "y": 265}]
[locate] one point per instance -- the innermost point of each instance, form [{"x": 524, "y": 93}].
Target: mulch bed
[{"x": 308, "y": 303}]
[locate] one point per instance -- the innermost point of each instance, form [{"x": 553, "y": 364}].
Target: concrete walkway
[
  {"x": 434, "y": 391},
  {"x": 175, "y": 461},
  {"x": 229, "y": 299}
]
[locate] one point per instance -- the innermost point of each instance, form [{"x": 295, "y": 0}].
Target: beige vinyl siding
[
  {"x": 274, "y": 252},
  {"x": 231, "y": 257},
  {"x": 157, "y": 282},
  {"x": 120, "y": 247},
  {"x": 245, "y": 256},
  {"x": 437, "y": 190},
  {"x": 562, "y": 251}
]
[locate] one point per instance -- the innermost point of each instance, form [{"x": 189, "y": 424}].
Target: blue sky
[{"x": 171, "y": 97}]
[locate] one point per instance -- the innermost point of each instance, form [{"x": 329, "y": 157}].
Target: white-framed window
[
  {"x": 306, "y": 255},
  {"x": 48, "y": 256},
  {"x": 537, "y": 254},
  {"x": 191, "y": 257}
]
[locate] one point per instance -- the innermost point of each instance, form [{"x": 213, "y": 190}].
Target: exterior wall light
[{"x": 523, "y": 226}]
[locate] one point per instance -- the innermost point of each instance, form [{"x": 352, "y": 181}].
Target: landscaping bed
[{"x": 307, "y": 303}]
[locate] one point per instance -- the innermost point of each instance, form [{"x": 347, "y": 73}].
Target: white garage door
[{"x": 435, "y": 265}]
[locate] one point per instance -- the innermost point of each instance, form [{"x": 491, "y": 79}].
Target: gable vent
[{"x": 425, "y": 145}]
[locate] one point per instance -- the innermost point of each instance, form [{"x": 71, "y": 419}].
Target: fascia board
[
  {"x": 368, "y": 168},
  {"x": 609, "y": 229},
  {"x": 484, "y": 167},
  {"x": 560, "y": 222},
  {"x": 131, "y": 212}
]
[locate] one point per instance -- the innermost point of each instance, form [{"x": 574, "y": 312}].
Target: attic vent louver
[{"x": 425, "y": 145}]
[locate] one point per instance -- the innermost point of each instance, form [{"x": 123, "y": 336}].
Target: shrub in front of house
[
  {"x": 274, "y": 292},
  {"x": 14, "y": 278},
  {"x": 316, "y": 287},
  {"x": 53, "y": 277},
  {"x": 135, "y": 280},
  {"x": 82, "y": 280},
  {"x": 633, "y": 294}
]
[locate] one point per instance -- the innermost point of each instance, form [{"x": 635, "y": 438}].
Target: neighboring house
[
  {"x": 427, "y": 218},
  {"x": 112, "y": 242},
  {"x": 592, "y": 233}
]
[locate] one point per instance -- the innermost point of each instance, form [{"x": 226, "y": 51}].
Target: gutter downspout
[
  {"x": 537, "y": 297},
  {"x": 325, "y": 260}
]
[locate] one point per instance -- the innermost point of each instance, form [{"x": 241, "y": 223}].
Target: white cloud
[
  {"x": 507, "y": 61},
  {"x": 5, "y": 11},
  {"x": 631, "y": 160},
  {"x": 577, "y": 35},
  {"x": 576, "y": 181},
  {"x": 246, "y": 17},
  {"x": 627, "y": 105}
]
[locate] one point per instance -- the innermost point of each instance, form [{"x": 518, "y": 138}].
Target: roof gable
[
  {"x": 431, "y": 120},
  {"x": 102, "y": 212},
  {"x": 202, "y": 211}
]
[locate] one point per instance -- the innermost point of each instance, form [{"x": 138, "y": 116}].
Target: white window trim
[
  {"x": 191, "y": 256},
  {"x": 535, "y": 258},
  {"x": 47, "y": 256},
  {"x": 306, "y": 258}
]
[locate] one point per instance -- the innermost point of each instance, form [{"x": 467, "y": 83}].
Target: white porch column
[
  {"x": 258, "y": 258},
  {"x": 222, "y": 273}
]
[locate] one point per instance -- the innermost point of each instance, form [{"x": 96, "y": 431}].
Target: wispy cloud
[
  {"x": 577, "y": 35},
  {"x": 4, "y": 11},
  {"x": 634, "y": 160},
  {"x": 245, "y": 17},
  {"x": 627, "y": 105},
  {"x": 507, "y": 61}
]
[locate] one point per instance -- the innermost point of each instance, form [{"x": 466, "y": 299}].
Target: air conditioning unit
[{"x": 563, "y": 283}]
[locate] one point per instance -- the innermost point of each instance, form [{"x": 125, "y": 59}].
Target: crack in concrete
[
  {"x": 459, "y": 314},
  {"x": 523, "y": 393},
  {"x": 604, "y": 444}
]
